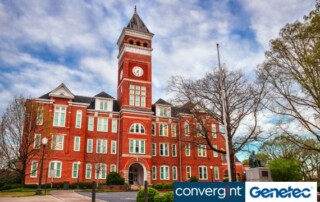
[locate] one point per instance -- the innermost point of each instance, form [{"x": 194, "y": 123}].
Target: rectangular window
[
  {"x": 186, "y": 129},
  {"x": 102, "y": 125},
  {"x": 76, "y": 145},
  {"x": 101, "y": 146},
  {"x": 75, "y": 169},
  {"x": 164, "y": 149},
  {"x": 154, "y": 149},
  {"x": 90, "y": 123},
  {"x": 55, "y": 167},
  {"x": 215, "y": 154},
  {"x": 188, "y": 172},
  {"x": 216, "y": 173},
  {"x": 202, "y": 150},
  {"x": 114, "y": 125},
  {"x": 78, "y": 119},
  {"x": 37, "y": 141},
  {"x": 137, "y": 146},
  {"x": 88, "y": 170},
  {"x": 113, "y": 168},
  {"x": 164, "y": 112},
  {"x": 103, "y": 105},
  {"x": 174, "y": 173},
  {"x": 214, "y": 130},
  {"x": 154, "y": 172},
  {"x": 101, "y": 171},
  {"x": 40, "y": 116},
  {"x": 34, "y": 168},
  {"x": 113, "y": 147},
  {"x": 203, "y": 175},
  {"x": 59, "y": 118},
  {"x": 173, "y": 130},
  {"x": 187, "y": 149},
  {"x": 174, "y": 150},
  {"x": 89, "y": 145},
  {"x": 164, "y": 173},
  {"x": 137, "y": 96},
  {"x": 57, "y": 142},
  {"x": 163, "y": 129},
  {"x": 153, "y": 129}
]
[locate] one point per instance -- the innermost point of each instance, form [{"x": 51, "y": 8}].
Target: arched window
[
  {"x": 145, "y": 45},
  {"x": 137, "y": 128},
  {"x": 131, "y": 42},
  {"x": 138, "y": 43}
]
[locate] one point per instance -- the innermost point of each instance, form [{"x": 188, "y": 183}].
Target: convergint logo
[
  {"x": 281, "y": 191},
  {"x": 209, "y": 191}
]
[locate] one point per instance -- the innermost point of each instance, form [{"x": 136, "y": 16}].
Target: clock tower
[{"x": 134, "y": 66}]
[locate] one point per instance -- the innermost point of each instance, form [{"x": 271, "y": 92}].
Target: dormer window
[
  {"x": 164, "y": 112},
  {"x": 103, "y": 105}
]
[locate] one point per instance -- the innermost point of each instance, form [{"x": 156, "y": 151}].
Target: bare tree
[
  {"x": 292, "y": 72},
  {"x": 243, "y": 101},
  {"x": 18, "y": 141}
]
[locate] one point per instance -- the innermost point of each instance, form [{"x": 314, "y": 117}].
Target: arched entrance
[{"x": 136, "y": 174}]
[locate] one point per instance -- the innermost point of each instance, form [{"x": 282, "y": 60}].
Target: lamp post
[
  {"x": 44, "y": 143},
  {"x": 211, "y": 168},
  {"x": 78, "y": 174}
]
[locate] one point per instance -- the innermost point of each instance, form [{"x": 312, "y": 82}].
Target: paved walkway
[{"x": 56, "y": 196}]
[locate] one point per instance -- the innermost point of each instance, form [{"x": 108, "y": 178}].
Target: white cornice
[
  {"x": 135, "y": 111},
  {"x": 78, "y": 103},
  {"x": 134, "y": 33},
  {"x": 44, "y": 100},
  {"x": 135, "y": 49}
]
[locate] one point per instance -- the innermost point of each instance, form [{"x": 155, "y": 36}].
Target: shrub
[
  {"x": 168, "y": 186},
  {"x": 159, "y": 198},
  {"x": 193, "y": 179},
  {"x": 32, "y": 186},
  {"x": 10, "y": 186},
  {"x": 168, "y": 196},
  {"x": 113, "y": 178},
  {"x": 151, "y": 195},
  {"x": 158, "y": 186}
]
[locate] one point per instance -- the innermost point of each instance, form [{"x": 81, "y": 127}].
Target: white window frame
[
  {"x": 202, "y": 150},
  {"x": 34, "y": 171},
  {"x": 103, "y": 105},
  {"x": 137, "y": 95},
  {"x": 102, "y": 125},
  {"x": 76, "y": 144},
  {"x": 153, "y": 129},
  {"x": 164, "y": 172},
  {"x": 37, "y": 141},
  {"x": 154, "y": 172},
  {"x": 164, "y": 149},
  {"x": 113, "y": 147},
  {"x": 187, "y": 149},
  {"x": 54, "y": 142},
  {"x": 102, "y": 173},
  {"x": 216, "y": 173},
  {"x": 203, "y": 175},
  {"x": 90, "y": 123},
  {"x": 214, "y": 131},
  {"x": 58, "y": 173},
  {"x": 137, "y": 128},
  {"x": 154, "y": 149},
  {"x": 60, "y": 115},
  {"x": 174, "y": 150},
  {"x": 75, "y": 170},
  {"x": 88, "y": 170},
  {"x": 174, "y": 173},
  {"x": 173, "y": 130},
  {"x": 101, "y": 146},
  {"x": 114, "y": 128},
  {"x": 113, "y": 168},
  {"x": 163, "y": 129},
  {"x": 78, "y": 119},
  {"x": 140, "y": 144},
  {"x": 40, "y": 112},
  {"x": 215, "y": 154},
  {"x": 188, "y": 172},
  {"x": 186, "y": 129},
  {"x": 89, "y": 143}
]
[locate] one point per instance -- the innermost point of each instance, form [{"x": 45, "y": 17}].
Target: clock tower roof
[{"x": 137, "y": 24}]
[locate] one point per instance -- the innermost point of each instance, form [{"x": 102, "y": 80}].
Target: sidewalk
[{"x": 56, "y": 196}]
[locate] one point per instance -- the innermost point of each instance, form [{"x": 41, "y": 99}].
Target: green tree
[{"x": 285, "y": 170}]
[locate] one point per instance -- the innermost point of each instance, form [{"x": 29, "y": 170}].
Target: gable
[{"x": 62, "y": 91}]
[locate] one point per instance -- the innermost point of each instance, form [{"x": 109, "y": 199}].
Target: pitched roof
[
  {"x": 104, "y": 95},
  {"x": 137, "y": 24},
  {"x": 162, "y": 102}
]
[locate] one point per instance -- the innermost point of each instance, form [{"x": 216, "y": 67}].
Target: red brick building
[{"x": 129, "y": 135}]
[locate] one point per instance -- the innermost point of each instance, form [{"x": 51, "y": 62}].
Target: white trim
[
  {"x": 36, "y": 173},
  {"x": 203, "y": 166},
  {"x": 74, "y": 143},
  {"x": 134, "y": 33},
  {"x": 115, "y": 147},
  {"x": 154, "y": 173},
  {"x": 87, "y": 170}
]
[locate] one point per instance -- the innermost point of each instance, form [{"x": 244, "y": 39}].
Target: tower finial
[{"x": 135, "y": 9}]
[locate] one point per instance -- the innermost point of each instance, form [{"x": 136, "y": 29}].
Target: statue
[{"x": 254, "y": 161}]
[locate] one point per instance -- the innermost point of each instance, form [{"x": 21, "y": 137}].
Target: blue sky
[{"x": 46, "y": 42}]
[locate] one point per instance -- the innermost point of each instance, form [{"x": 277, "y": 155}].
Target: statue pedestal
[{"x": 259, "y": 174}]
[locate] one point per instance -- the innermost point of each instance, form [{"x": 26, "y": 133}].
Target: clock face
[
  {"x": 121, "y": 74},
  {"x": 137, "y": 71}
]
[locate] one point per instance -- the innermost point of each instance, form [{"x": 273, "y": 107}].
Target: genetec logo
[
  {"x": 209, "y": 191},
  {"x": 281, "y": 191}
]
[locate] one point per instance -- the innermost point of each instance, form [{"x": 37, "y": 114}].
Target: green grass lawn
[{"x": 19, "y": 192}]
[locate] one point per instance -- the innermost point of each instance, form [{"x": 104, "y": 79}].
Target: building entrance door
[{"x": 136, "y": 174}]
